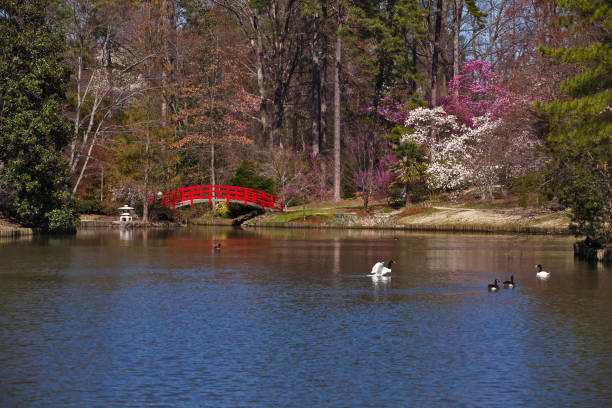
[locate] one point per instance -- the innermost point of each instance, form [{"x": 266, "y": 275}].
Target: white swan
[
  {"x": 379, "y": 268},
  {"x": 540, "y": 273}
]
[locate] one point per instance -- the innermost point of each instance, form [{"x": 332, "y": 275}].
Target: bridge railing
[{"x": 248, "y": 196}]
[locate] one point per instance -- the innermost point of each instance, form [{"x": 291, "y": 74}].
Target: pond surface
[{"x": 289, "y": 318}]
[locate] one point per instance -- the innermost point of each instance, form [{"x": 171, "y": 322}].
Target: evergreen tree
[
  {"x": 33, "y": 171},
  {"x": 578, "y": 129},
  {"x": 393, "y": 29}
]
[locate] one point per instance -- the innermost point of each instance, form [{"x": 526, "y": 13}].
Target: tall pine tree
[
  {"x": 33, "y": 171},
  {"x": 393, "y": 30},
  {"x": 578, "y": 129}
]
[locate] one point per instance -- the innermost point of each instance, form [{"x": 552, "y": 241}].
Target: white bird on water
[
  {"x": 540, "y": 273},
  {"x": 379, "y": 268}
]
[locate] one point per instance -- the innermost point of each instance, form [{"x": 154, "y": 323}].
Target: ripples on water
[{"x": 282, "y": 318}]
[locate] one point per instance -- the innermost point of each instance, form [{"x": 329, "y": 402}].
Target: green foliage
[
  {"x": 197, "y": 16},
  {"x": 33, "y": 172},
  {"x": 88, "y": 207},
  {"x": 474, "y": 10},
  {"x": 141, "y": 161},
  {"x": 347, "y": 182},
  {"x": 259, "y": 5},
  {"x": 586, "y": 190},
  {"x": 396, "y": 196},
  {"x": 395, "y": 28},
  {"x": 526, "y": 187},
  {"x": 221, "y": 210},
  {"x": 410, "y": 169},
  {"x": 95, "y": 207},
  {"x": 62, "y": 221},
  {"x": 578, "y": 128},
  {"x": 247, "y": 175},
  {"x": 157, "y": 212}
]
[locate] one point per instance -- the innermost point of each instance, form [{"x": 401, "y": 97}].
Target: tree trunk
[
  {"x": 277, "y": 125},
  {"x": 77, "y": 119},
  {"x": 316, "y": 88},
  {"x": 474, "y": 38},
  {"x": 259, "y": 67},
  {"x": 145, "y": 204},
  {"x": 337, "y": 164},
  {"x": 91, "y": 146},
  {"x": 436, "y": 52},
  {"x": 324, "y": 50},
  {"x": 457, "y": 28},
  {"x": 213, "y": 178},
  {"x": 413, "y": 82}
]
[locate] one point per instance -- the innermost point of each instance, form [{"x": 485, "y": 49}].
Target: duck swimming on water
[
  {"x": 509, "y": 284},
  {"x": 494, "y": 286}
]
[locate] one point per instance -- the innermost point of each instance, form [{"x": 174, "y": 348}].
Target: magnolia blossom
[
  {"x": 459, "y": 155},
  {"x": 431, "y": 126},
  {"x": 443, "y": 138},
  {"x": 451, "y": 164},
  {"x": 486, "y": 165}
]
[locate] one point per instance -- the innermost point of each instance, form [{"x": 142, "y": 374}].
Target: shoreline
[
  {"x": 441, "y": 219},
  {"x": 490, "y": 229},
  {"x": 431, "y": 218},
  {"x": 15, "y": 232}
]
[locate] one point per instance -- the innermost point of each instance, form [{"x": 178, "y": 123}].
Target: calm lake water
[{"x": 289, "y": 318}]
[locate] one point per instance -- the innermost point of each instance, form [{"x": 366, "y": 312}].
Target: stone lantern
[{"x": 126, "y": 215}]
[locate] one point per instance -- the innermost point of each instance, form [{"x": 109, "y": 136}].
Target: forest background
[{"x": 107, "y": 101}]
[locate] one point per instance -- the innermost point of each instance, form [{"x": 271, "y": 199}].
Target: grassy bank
[{"x": 433, "y": 216}]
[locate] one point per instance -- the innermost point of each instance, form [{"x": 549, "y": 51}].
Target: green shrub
[
  {"x": 417, "y": 191},
  {"x": 221, "y": 210},
  {"x": 62, "y": 221},
  {"x": 88, "y": 206},
  {"x": 157, "y": 212},
  {"x": 527, "y": 188},
  {"x": 347, "y": 183},
  {"x": 396, "y": 197},
  {"x": 247, "y": 175}
]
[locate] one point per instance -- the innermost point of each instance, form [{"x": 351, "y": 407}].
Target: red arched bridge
[{"x": 230, "y": 194}]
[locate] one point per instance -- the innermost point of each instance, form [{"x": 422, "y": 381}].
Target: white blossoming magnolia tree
[{"x": 459, "y": 155}]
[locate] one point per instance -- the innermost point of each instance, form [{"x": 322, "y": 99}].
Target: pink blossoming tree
[
  {"x": 477, "y": 91},
  {"x": 480, "y": 136}
]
